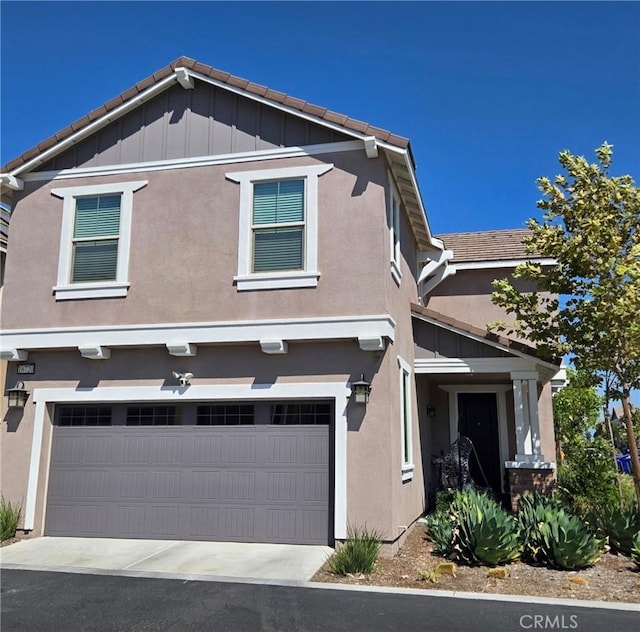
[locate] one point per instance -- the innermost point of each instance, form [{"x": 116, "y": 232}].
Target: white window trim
[
  {"x": 248, "y": 280},
  {"x": 65, "y": 289},
  {"x": 394, "y": 231},
  {"x": 406, "y": 404}
]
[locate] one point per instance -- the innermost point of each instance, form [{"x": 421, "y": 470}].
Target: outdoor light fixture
[
  {"x": 18, "y": 395},
  {"x": 431, "y": 410},
  {"x": 360, "y": 390}
]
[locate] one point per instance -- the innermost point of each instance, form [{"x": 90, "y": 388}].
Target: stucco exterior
[{"x": 184, "y": 306}]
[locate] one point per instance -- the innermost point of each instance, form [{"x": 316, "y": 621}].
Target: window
[
  {"x": 153, "y": 416},
  {"x": 304, "y": 413},
  {"x": 83, "y": 415},
  {"x": 95, "y": 239},
  {"x": 406, "y": 420},
  {"x": 278, "y": 227},
  {"x": 225, "y": 415},
  {"x": 394, "y": 232}
]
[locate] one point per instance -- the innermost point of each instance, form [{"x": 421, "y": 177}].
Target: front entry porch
[{"x": 495, "y": 396}]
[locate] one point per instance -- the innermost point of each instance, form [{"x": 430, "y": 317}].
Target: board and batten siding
[{"x": 205, "y": 121}]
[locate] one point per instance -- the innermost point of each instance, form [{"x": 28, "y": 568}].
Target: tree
[{"x": 588, "y": 304}]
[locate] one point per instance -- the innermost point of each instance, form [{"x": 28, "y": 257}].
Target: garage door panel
[
  {"x": 135, "y": 449},
  {"x": 281, "y": 524},
  {"x": 205, "y": 485},
  {"x": 315, "y": 487},
  {"x": 282, "y": 449},
  {"x": 209, "y": 450},
  {"x": 131, "y": 521},
  {"x": 249, "y": 483},
  {"x": 281, "y": 486}
]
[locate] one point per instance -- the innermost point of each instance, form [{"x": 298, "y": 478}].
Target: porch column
[
  {"x": 525, "y": 401},
  {"x": 534, "y": 421}
]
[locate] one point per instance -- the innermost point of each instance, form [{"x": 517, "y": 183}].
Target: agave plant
[
  {"x": 635, "y": 550},
  {"x": 439, "y": 530},
  {"x": 619, "y": 525},
  {"x": 483, "y": 532},
  {"x": 533, "y": 511},
  {"x": 568, "y": 543}
]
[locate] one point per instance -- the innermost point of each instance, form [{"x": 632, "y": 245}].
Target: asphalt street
[{"x": 40, "y": 601}]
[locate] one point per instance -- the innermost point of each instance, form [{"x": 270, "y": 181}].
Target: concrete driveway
[{"x": 282, "y": 562}]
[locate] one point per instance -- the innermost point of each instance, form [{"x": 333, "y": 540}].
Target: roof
[
  {"x": 396, "y": 148},
  {"x": 224, "y": 77},
  {"x": 504, "y": 341},
  {"x": 490, "y": 245}
]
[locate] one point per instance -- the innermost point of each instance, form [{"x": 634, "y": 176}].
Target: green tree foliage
[
  {"x": 586, "y": 474},
  {"x": 588, "y": 304}
]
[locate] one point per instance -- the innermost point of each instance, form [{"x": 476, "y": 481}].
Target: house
[{"x": 233, "y": 322}]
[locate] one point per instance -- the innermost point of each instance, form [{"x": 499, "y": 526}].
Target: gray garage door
[{"x": 245, "y": 483}]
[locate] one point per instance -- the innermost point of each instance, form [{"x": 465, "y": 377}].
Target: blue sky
[{"x": 488, "y": 93}]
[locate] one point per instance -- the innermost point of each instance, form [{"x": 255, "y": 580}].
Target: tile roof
[
  {"x": 509, "y": 343},
  {"x": 489, "y": 245},
  {"x": 226, "y": 78}
]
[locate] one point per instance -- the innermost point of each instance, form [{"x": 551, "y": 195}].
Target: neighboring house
[{"x": 231, "y": 262}]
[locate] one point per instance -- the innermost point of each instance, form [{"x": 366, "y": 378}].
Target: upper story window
[
  {"x": 394, "y": 231},
  {"x": 278, "y": 227},
  {"x": 95, "y": 240}
]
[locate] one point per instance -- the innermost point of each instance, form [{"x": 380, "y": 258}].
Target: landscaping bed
[{"x": 613, "y": 578}]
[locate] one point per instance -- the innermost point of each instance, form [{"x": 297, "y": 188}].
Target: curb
[{"x": 443, "y": 594}]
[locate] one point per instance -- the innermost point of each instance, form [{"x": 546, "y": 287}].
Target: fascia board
[{"x": 95, "y": 126}]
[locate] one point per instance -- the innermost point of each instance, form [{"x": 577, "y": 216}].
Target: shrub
[
  {"x": 444, "y": 499},
  {"x": 358, "y": 554},
  {"x": 483, "y": 532},
  {"x": 567, "y": 542},
  {"x": 587, "y": 480},
  {"x": 439, "y": 528},
  {"x": 627, "y": 487},
  {"x": 619, "y": 525},
  {"x": 10, "y": 515},
  {"x": 534, "y": 510}
]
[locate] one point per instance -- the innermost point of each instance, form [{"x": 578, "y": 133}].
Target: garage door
[{"x": 239, "y": 481}]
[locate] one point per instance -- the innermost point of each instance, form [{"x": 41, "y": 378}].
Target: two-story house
[{"x": 233, "y": 322}]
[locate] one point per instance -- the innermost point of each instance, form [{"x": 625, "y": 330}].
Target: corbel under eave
[
  {"x": 441, "y": 274},
  {"x": 184, "y": 78},
  {"x": 11, "y": 182}
]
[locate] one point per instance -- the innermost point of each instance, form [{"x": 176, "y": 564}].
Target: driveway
[{"x": 282, "y": 562}]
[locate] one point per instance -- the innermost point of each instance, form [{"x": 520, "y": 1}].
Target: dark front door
[{"x": 478, "y": 420}]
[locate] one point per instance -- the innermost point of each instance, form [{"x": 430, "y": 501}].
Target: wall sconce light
[
  {"x": 431, "y": 410},
  {"x": 17, "y": 396},
  {"x": 183, "y": 378},
  {"x": 360, "y": 390}
]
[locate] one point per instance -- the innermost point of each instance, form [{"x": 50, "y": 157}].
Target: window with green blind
[
  {"x": 278, "y": 225},
  {"x": 95, "y": 239}
]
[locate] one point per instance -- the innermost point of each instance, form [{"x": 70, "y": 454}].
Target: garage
[{"x": 240, "y": 471}]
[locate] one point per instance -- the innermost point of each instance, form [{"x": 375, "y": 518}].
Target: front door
[{"x": 478, "y": 420}]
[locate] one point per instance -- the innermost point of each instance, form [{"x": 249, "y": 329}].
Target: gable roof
[
  {"x": 454, "y": 324},
  {"x": 335, "y": 118},
  {"x": 489, "y": 245},
  {"x": 183, "y": 70}
]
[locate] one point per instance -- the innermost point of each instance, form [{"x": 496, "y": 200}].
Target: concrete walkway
[{"x": 285, "y": 562}]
